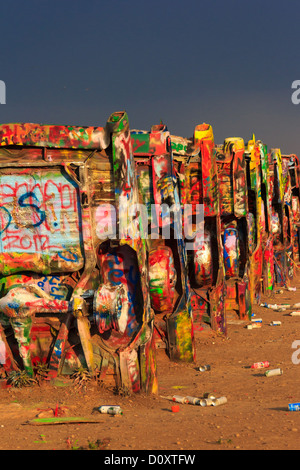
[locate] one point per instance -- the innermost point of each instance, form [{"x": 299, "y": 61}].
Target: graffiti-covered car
[
  {"x": 291, "y": 165},
  {"x": 282, "y": 224},
  {"x": 234, "y": 224},
  {"x": 74, "y": 282},
  {"x": 257, "y": 229},
  {"x": 196, "y": 166},
  {"x": 160, "y": 203}
]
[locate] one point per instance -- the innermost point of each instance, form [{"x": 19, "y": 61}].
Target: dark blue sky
[{"x": 230, "y": 63}]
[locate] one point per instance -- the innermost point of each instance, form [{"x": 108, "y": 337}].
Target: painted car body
[
  {"x": 256, "y": 219},
  {"x": 293, "y": 165},
  {"x": 282, "y": 223},
  {"x": 196, "y": 166},
  {"x": 66, "y": 253},
  {"x": 234, "y": 214},
  {"x": 160, "y": 197}
]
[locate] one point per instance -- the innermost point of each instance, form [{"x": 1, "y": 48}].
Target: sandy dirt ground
[{"x": 255, "y": 417}]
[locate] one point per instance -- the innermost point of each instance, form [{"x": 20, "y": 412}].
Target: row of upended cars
[{"x": 115, "y": 242}]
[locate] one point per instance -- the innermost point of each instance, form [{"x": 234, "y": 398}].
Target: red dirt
[{"x": 256, "y": 415}]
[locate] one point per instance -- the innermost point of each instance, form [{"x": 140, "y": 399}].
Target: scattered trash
[
  {"x": 260, "y": 365},
  {"x": 269, "y": 305},
  {"x": 295, "y": 314},
  {"x": 179, "y": 399},
  {"x": 175, "y": 409},
  {"x": 209, "y": 395},
  {"x": 256, "y": 320},
  {"x": 272, "y": 373},
  {"x": 206, "y": 401},
  {"x": 193, "y": 400},
  {"x": 219, "y": 401},
  {"x": 280, "y": 291},
  {"x": 277, "y": 308},
  {"x": 204, "y": 368},
  {"x": 111, "y": 410},
  {"x": 253, "y": 325},
  {"x": 275, "y": 323},
  {"x": 294, "y": 407},
  {"x": 291, "y": 289}
]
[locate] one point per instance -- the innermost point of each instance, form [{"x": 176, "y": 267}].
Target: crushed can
[
  {"x": 275, "y": 323},
  {"x": 256, "y": 320},
  {"x": 111, "y": 410},
  {"x": 253, "y": 326},
  {"x": 294, "y": 407},
  {"x": 260, "y": 365}
]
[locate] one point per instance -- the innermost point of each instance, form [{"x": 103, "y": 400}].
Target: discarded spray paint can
[
  {"x": 275, "y": 323},
  {"x": 278, "y": 308},
  {"x": 253, "y": 325},
  {"x": 272, "y": 373},
  {"x": 260, "y": 365},
  {"x": 219, "y": 401},
  {"x": 111, "y": 410},
  {"x": 179, "y": 399},
  {"x": 204, "y": 368},
  {"x": 264, "y": 304},
  {"x": 256, "y": 320},
  {"x": 206, "y": 401},
  {"x": 209, "y": 395},
  {"x": 193, "y": 400},
  {"x": 294, "y": 407}
]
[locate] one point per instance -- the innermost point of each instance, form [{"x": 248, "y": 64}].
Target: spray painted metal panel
[
  {"x": 169, "y": 287},
  {"x": 235, "y": 224},
  {"x": 196, "y": 167}
]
